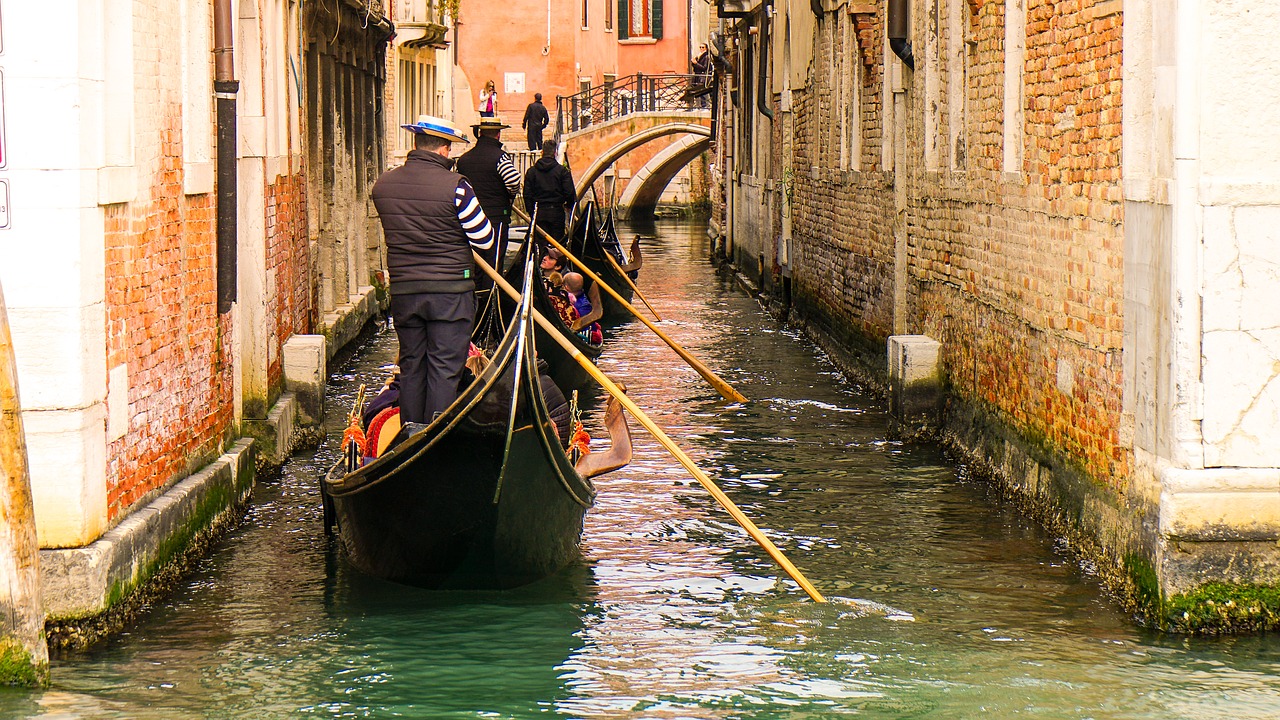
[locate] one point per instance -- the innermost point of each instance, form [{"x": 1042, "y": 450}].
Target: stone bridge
[
  {"x": 628, "y": 139},
  {"x": 630, "y": 160}
]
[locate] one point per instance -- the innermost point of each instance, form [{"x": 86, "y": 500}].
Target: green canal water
[{"x": 946, "y": 603}]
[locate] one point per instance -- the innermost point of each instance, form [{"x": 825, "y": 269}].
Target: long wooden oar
[
  {"x": 609, "y": 256},
  {"x": 725, "y": 389},
  {"x": 662, "y": 438}
]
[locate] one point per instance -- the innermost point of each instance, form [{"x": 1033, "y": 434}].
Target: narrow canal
[{"x": 946, "y": 604}]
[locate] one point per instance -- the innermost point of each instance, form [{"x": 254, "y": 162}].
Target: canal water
[{"x": 945, "y": 603}]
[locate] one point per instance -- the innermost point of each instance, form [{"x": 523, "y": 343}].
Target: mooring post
[{"x": 24, "y": 656}]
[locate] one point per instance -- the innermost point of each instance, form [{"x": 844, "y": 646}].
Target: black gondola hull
[
  {"x": 440, "y": 527},
  {"x": 440, "y": 510}
]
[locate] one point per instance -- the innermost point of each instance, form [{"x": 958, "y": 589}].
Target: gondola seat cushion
[{"x": 383, "y": 429}]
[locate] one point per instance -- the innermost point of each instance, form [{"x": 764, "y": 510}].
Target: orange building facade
[{"x": 558, "y": 47}]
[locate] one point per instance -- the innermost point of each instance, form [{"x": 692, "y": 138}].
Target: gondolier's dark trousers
[{"x": 434, "y": 331}]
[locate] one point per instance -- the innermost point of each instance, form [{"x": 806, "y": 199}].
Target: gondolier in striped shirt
[
  {"x": 431, "y": 220},
  {"x": 496, "y": 181}
]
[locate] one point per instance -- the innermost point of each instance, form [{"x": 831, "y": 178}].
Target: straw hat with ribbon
[{"x": 439, "y": 127}]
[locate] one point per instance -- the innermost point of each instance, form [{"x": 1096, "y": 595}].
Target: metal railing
[{"x": 626, "y": 95}]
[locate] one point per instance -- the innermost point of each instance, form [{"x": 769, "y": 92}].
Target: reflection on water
[{"x": 946, "y": 604}]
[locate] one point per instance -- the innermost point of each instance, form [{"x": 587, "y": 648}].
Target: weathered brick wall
[
  {"x": 1019, "y": 274},
  {"x": 1021, "y": 277},
  {"x": 162, "y": 323},
  {"x": 161, "y": 295},
  {"x": 289, "y": 263},
  {"x": 843, "y": 250}
]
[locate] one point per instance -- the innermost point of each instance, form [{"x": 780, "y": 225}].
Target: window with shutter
[
  {"x": 637, "y": 17},
  {"x": 623, "y": 27},
  {"x": 655, "y": 23}
]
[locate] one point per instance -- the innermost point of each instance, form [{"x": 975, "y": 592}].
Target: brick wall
[
  {"x": 843, "y": 249},
  {"x": 1019, "y": 273},
  {"x": 162, "y": 323},
  {"x": 289, "y": 263}
]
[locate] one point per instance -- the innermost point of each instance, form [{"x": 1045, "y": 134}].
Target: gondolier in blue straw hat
[{"x": 431, "y": 220}]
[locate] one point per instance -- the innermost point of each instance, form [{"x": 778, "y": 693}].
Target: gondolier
[
  {"x": 549, "y": 186},
  {"x": 431, "y": 220},
  {"x": 495, "y": 179}
]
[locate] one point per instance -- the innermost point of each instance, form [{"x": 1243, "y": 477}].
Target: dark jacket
[
  {"x": 550, "y": 185},
  {"x": 427, "y": 250},
  {"x": 480, "y": 166},
  {"x": 535, "y": 116}
]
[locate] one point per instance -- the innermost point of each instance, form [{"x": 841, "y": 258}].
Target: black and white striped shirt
[
  {"x": 510, "y": 176},
  {"x": 477, "y": 227}
]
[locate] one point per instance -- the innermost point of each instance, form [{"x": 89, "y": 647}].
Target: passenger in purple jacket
[{"x": 431, "y": 220}]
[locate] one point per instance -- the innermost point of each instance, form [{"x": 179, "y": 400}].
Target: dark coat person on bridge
[
  {"x": 549, "y": 185},
  {"x": 431, "y": 220},
  {"x": 496, "y": 181},
  {"x": 535, "y": 119}
]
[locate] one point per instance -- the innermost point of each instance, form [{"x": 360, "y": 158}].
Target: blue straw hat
[{"x": 439, "y": 127}]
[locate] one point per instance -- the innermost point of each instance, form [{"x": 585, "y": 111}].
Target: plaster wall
[{"x": 495, "y": 41}]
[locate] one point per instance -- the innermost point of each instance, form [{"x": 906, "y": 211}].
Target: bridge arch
[
  {"x": 608, "y": 157},
  {"x": 645, "y": 189}
]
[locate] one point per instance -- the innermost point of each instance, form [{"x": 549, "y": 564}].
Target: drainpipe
[
  {"x": 225, "y": 87},
  {"x": 900, "y": 31},
  {"x": 762, "y": 85}
]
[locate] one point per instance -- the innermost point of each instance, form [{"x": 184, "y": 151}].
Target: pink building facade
[{"x": 558, "y": 47}]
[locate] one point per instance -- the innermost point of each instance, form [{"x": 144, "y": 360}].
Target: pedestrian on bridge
[
  {"x": 535, "y": 119},
  {"x": 496, "y": 181},
  {"x": 431, "y": 220},
  {"x": 549, "y": 185}
]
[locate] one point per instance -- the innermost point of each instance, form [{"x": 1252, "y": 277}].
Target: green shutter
[
  {"x": 656, "y": 20},
  {"x": 624, "y": 25}
]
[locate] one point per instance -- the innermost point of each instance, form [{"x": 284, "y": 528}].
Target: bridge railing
[{"x": 626, "y": 95}]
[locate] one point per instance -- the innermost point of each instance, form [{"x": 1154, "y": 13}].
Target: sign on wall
[
  {"x": 4, "y": 203},
  {"x": 4, "y": 147},
  {"x": 513, "y": 83}
]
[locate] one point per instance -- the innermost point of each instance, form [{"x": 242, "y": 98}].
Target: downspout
[
  {"x": 225, "y": 87},
  {"x": 762, "y": 84},
  {"x": 900, "y": 31}
]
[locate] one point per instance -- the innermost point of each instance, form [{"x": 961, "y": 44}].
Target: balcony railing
[{"x": 626, "y": 95}]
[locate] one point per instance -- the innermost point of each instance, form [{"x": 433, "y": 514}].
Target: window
[
  {"x": 418, "y": 93},
  {"x": 585, "y": 3},
  {"x": 608, "y": 15},
  {"x": 639, "y": 19}
]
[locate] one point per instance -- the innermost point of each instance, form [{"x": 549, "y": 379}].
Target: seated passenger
[{"x": 589, "y": 307}]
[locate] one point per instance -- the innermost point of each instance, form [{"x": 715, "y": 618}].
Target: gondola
[
  {"x": 566, "y": 372},
  {"x": 482, "y": 497},
  {"x": 592, "y": 239}
]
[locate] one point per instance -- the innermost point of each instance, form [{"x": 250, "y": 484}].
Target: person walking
[
  {"x": 488, "y": 100},
  {"x": 535, "y": 120},
  {"x": 549, "y": 186},
  {"x": 496, "y": 181},
  {"x": 431, "y": 220}
]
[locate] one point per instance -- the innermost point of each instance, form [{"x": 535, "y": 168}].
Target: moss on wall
[{"x": 18, "y": 669}]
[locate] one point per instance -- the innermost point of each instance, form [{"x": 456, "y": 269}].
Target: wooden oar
[
  {"x": 609, "y": 256},
  {"x": 662, "y": 438},
  {"x": 725, "y": 389}
]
